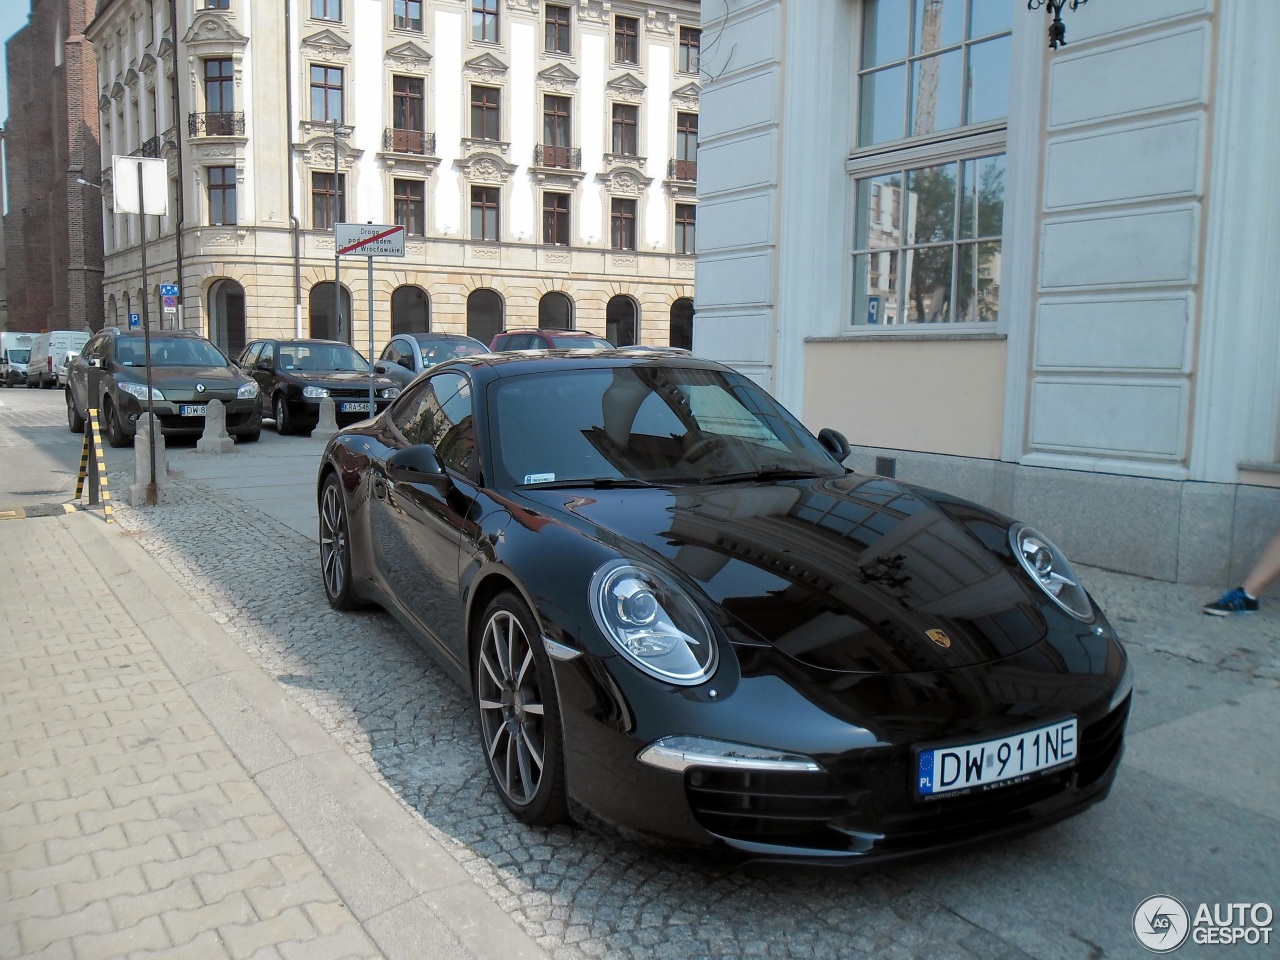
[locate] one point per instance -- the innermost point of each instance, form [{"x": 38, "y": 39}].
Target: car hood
[
  {"x": 335, "y": 379},
  {"x": 853, "y": 574},
  {"x": 186, "y": 378}
]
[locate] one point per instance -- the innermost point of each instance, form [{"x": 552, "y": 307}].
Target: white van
[
  {"x": 15, "y": 351},
  {"x": 47, "y": 352}
]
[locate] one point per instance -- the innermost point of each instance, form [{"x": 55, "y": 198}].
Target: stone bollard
[
  {"x": 215, "y": 438},
  {"x": 328, "y": 424},
  {"x": 142, "y": 463}
]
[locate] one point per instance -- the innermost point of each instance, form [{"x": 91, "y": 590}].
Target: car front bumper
[{"x": 243, "y": 415}]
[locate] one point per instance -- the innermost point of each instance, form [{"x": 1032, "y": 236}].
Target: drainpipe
[{"x": 294, "y": 227}]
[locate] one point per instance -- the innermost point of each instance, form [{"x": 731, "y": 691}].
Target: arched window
[
  {"x": 484, "y": 315},
  {"x": 113, "y": 311},
  {"x": 681, "y": 334},
  {"x": 226, "y": 317},
  {"x": 555, "y": 311},
  {"x": 622, "y": 322},
  {"x": 322, "y": 323},
  {"x": 410, "y": 311}
]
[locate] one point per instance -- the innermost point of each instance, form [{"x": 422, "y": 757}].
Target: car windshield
[
  {"x": 650, "y": 422},
  {"x": 170, "y": 352},
  {"x": 19, "y": 356},
  {"x": 580, "y": 343},
  {"x": 320, "y": 358},
  {"x": 433, "y": 353}
]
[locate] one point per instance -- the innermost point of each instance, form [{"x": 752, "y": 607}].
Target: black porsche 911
[{"x": 678, "y": 614}]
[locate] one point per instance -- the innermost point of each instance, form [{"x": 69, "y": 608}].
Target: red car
[{"x": 548, "y": 340}]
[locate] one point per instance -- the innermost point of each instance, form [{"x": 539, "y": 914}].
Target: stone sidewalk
[{"x": 160, "y": 796}]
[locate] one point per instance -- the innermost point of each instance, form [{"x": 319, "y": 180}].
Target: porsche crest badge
[{"x": 939, "y": 637}]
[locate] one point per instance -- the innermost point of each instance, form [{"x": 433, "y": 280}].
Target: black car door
[{"x": 418, "y": 527}]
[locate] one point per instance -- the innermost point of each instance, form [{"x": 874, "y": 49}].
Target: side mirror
[
  {"x": 379, "y": 367},
  {"x": 835, "y": 443},
  {"x": 418, "y": 464},
  {"x": 95, "y": 362},
  {"x": 263, "y": 365}
]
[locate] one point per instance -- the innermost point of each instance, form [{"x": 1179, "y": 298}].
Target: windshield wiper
[
  {"x": 595, "y": 483},
  {"x": 765, "y": 473}
]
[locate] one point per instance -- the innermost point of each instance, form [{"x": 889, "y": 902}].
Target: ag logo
[
  {"x": 1161, "y": 924},
  {"x": 939, "y": 637}
]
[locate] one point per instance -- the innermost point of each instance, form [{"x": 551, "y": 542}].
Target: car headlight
[
  {"x": 139, "y": 390},
  {"x": 1050, "y": 569},
  {"x": 651, "y": 621},
  {"x": 315, "y": 393},
  {"x": 248, "y": 391},
  {"x": 390, "y": 393}
]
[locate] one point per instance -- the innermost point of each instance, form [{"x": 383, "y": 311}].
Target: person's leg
[{"x": 1265, "y": 570}]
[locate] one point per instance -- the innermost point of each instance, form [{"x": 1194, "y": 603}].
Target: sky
[{"x": 13, "y": 17}]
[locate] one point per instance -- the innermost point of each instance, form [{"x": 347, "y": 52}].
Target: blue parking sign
[
  {"x": 135, "y": 320},
  {"x": 873, "y": 309}
]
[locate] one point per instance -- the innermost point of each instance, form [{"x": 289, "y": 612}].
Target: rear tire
[
  {"x": 335, "y": 546},
  {"x": 75, "y": 422}
]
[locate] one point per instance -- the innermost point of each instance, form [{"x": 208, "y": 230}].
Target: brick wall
[{"x": 53, "y": 230}]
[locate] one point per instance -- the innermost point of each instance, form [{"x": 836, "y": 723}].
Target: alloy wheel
[
  {"x": 512, "y": 716},
  {"x": 333, "y": 543}
]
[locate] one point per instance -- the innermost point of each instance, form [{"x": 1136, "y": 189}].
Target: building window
[
  {"x": 626, "y": 40},
  {"x": 219, "y": 86},
  {"x": 222, "y": 196},
  {"x": 217, "y": 4},
  {"x": 926, "y": 69},
  {"x": 686, "y": 215},
  {"x": 928, "y": 224},
  {"x": 555, "y": 218},
  {"x": 622, "y": 224},
  {"x": 690, "y": 45},
  {"x": 411, "y": 206},
  {"x": 408, "y": 15},
  {"x": 486, "y": 113},
  {"x": 557, "y": 131},
  {"x": 558, "y": 38},
  {"x": 626, "y": 124},
  {"x": 484, "y": 20},
  {"x": 686, "y": 162},
  {"x": 326, "y": 9},
  {"x": 408, "y": 115},
  {"x": 328, "y": 207},
  {"x": 326, "y": 94},
  {"x": 484, "y": 213}
]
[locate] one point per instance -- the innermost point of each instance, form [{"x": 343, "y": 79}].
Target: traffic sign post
[{"x": 369, "y": 240}]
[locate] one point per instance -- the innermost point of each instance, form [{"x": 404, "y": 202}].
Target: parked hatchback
[
  {"x": 408, "y": 354},
  {"x": 296, "y": 375},
  {"x": 548, "y": 340},
  {"x": 187, "y": 371}
]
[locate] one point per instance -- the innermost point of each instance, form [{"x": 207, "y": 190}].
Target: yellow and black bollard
[{"x": 97, "y": 474}]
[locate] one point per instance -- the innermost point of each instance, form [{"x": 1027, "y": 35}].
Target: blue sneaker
[{"x": 1233, "y": 601}]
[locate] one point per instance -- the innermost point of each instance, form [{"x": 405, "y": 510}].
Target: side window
[
  {"x": 438, "y": 412},
  {"x": 268, "y": 352},
  {"x": 250, "y": 355},
  {"x": 95, "y": 348}
]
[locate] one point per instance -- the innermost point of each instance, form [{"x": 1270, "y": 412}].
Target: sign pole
[
  {"x": 154, "y": 423},
  {"x": 372, "y": 406}
]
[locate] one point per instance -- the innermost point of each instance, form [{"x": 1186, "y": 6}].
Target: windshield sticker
[{"x": 539, "y": 477}]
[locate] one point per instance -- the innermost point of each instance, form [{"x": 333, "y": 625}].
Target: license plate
[
  {"x": 992, "y": 763},
  {"x": 193, "y": 409},
  {"x": 354, "y": 408}
]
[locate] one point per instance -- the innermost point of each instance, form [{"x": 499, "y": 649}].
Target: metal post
[
  {"x": 372, "y": 406},
  {"x": 337, "y": 260},
  {"x": 152, "y": 493}
]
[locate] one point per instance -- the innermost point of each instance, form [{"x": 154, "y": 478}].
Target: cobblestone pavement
[{"x": 582, "y": 895}]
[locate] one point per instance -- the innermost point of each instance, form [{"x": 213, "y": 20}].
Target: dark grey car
[{"x": 408, "y": 354}]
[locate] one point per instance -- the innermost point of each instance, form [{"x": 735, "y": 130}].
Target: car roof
[
  {"x": 521, "y": 362},
  {"x": 298, "y": 340},
  {"x": 182, "y": 334},
  {"x": 554, "y": 332}
]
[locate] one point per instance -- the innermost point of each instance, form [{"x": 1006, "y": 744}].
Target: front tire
[
  {"x": 519, "y": 715},
  {"x": 284, "y": 424},
  {"x": 335, "y": 546},
  {"x": 116, "y": 436}
]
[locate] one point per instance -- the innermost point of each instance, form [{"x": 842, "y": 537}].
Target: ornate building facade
[{"x": 541, "y": 157}]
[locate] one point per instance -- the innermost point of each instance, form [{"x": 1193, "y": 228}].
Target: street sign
[
  {"x": 369, "y": 240},
  {"x": 170, "y": 304},
  {"x": 168, "y": 289},
  {"x": 873, "y": 309},
  {"x": 135, "y": 320}
]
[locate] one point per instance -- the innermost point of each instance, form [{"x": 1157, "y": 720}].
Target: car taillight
[{"x": 49, "y": 361}]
